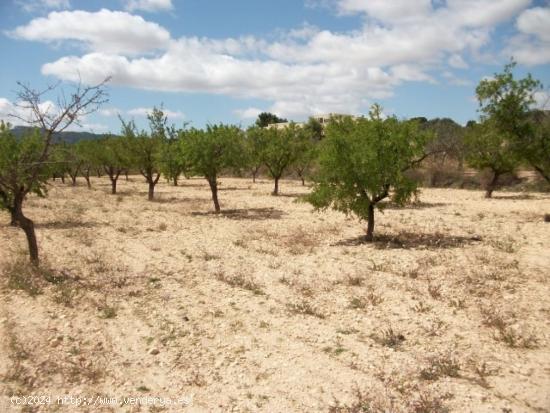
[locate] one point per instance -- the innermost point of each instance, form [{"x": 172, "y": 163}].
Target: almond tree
[
  {"x": 363, "y": 162},
  {"x": 280, "y": 151},
  {"x": 498, "y": 142},
  {"x": 145, "y": 149},
  {"x": 114, "y": 158},
  {"x": 255, "y": 140},
  {"x": 211, "y": 151},
  {"x": 24, "y": 163}
]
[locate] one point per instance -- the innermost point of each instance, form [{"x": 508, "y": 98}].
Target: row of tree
[
  {"x": 356, "y": 164},
  {"x": 166, "y": 151}
]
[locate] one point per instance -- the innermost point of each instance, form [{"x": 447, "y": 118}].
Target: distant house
[{"x": 323, "y": 119}]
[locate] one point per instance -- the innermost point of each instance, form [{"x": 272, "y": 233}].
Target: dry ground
[{"x": 271, "y": 307}]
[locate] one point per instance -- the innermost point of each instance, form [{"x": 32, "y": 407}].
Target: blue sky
[{"x": 225, "y": 61}]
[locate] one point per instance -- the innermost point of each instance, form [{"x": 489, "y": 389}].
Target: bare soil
[{"x": 273, "y": 307}]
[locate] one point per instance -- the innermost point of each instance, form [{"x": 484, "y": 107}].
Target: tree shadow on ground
[
  {"x": 231, "y": 188},
  {"x": 66, "y": 224},
  {"x": 252, "y": 214},
  {"x": 415, "y": 205},
  {"x": 411, "y": 240},
  {"x": 175, "y": 200},
  {"x": 290, "y": 195},
  {"x": 513, "y": 197}
]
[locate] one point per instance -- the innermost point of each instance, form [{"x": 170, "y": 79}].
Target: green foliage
[
  {"x": 487, "y": 147},
  {"x": 448, "y": 139},
  {"x": 172, "y": 163},
  {"x": 145, "y": 149},
  {"x": 504, "y": 103},
  {"x": 255, "y": 142},
  {"x": 306, "y": 148},
  {"x": 213, "y": 150},
  {"x": 18, "y": 160},
  {"x": 314, "y": 129},
  {"x": 266, "y": 118},
  {"x": 507, "y": 101},
  {"x": 112, "y": 153},
  {"x": 282, "y": 147},
  {"x": 535, "y": 147},
  {"x": 364, "y": 161}
]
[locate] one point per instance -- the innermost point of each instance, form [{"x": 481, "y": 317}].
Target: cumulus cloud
[
  {"x": 11, "y": 113},
  {"x": 532, "y": 45},
  {"x": 143, "y": 112},
  {"x": 105, "y": 31},
  {"x": 16, "y": 115},
  {"x": 304, "y": 71},
  {"x": 248, "y": 113},
  {"x": 148, "y": 5}
]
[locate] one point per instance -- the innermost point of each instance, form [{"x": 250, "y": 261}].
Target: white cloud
[
  {"x": 387, "y": 11},
  {"x": 149, "y": 5},
  {"x": 542, "y": 99},
  {"x": 16, "y": 115},
  {"x": 105, "y": 30},
  {"x": 306, "y": 70},
  {"x": 532, "y": 45},
  {"x": 457, "y": 62},
  {"x": 143, "y": 112},
  {"x": 535, "y": 21},
  {"x": 248, "y": 113},
  {"x": 452, "y": 79}
]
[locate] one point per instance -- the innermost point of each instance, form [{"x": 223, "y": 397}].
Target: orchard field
[{"x": 272, "y": 307}]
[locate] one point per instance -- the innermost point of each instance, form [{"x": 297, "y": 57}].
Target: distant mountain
[{"x": 69, "y": 137}]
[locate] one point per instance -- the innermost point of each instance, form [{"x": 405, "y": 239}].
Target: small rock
[{"x": 154, "y": 351}]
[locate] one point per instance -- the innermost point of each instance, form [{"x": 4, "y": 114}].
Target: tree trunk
[
  {"x": 126, "y": 174},
  {"x": 113, "y": 185},
  {"x": 214, "y": 188},
  {"x": 27, "y": 226},
  {"x": 63, "y": 178},
  {"x": 87, "y": 177},
  {"x": 13, "y": 221},
  {"x": 151, "y": 194},
  {"x": 303, "y": 181},
  {"x": 276, "y": 189},
  {"x": 542, "y": 173},
  {"x": 370, "y": 224},
  {"x": 73, "y": 179},
  {"x": 254, "y": 177},
  {"x": 175, "y": 179},
  {"x": 492, "y": 185}
]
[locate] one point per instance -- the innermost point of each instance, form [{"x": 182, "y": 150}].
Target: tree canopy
[{"x": 364, "y": 161}]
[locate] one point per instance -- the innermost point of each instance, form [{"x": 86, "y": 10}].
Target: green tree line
[{"x": 356, "y": 164}]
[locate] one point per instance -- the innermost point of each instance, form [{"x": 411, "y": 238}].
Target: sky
[{"x": 211, "y": 61}]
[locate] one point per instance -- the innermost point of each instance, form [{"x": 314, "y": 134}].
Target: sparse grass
[
  {"x": 421, "y": 307},
  {"x": 241, "y": 281},
  {"x": 106, "y": 310},
  {"x": 429, "y": 403},
  {"x": 354, "y": 280},
  {"x": 389, "y": 338},
  {"x": 357, "y": 303},
  {"x": 441, "y": 365},
  {"x": 22, "y": 275},
  {"x": 515, "y": 337},
  {"x": 65, "y": 294},
  {"x": 435, "y": 291},
  {"x": 507, "y": 245},
  {"x": 305, "y": 307}
]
